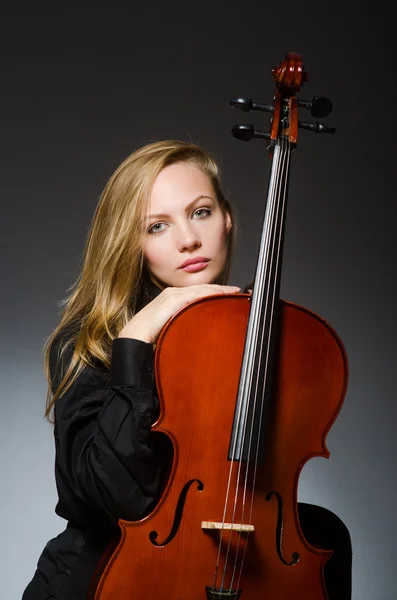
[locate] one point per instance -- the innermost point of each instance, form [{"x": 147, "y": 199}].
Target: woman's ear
[{"x": 228, "y": 222}]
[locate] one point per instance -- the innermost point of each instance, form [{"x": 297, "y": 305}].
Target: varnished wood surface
[{"x": 197, "y": 362}]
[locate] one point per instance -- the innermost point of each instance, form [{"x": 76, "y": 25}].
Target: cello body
[{"x": 196, "y": 545}]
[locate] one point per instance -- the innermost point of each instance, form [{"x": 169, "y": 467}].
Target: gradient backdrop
[{"x": 79, "y": 94}]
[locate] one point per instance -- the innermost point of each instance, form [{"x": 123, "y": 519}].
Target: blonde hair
[{"x": 106, "y": 293}]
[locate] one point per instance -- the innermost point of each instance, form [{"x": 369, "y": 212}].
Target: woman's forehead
[{"x": 180, "y": 183}]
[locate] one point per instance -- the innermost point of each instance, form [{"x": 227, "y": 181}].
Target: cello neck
[
  {"x": 269, "y": 263},
  {"x": 257, "y": 364}
]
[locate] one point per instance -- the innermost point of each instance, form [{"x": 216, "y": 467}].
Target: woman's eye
[
  {"x": 154, "y": 228},
  {"x": 207, "y": 212}
]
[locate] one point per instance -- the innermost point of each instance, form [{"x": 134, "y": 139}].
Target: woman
[
  {"x": 99, "y": 360},
  {"x": 162, "y": 235}
]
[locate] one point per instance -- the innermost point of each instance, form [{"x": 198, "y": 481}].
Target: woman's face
[{"x": 184, "y": 222}]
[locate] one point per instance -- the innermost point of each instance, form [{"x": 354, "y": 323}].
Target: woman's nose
[{"x": 188, "y": 239}]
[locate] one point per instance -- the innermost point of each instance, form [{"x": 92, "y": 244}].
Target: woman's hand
[{"x": 146, "y": 324}]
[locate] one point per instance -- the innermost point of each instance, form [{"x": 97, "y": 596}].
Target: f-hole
[{"x": 153, "y": 535}]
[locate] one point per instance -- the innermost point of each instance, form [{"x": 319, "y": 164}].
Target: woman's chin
[{"x": 198, "y": 278}]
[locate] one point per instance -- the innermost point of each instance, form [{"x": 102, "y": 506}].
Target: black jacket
[{"x": 107, "y": 464}]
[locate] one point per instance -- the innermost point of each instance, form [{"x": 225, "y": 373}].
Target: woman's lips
[{"x": 193, "y": 267}]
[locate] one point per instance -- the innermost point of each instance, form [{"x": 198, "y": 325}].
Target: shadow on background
[{"x": 323, "y": 529}]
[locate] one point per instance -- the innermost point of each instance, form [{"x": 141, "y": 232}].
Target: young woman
[{"x": 162, "y": 235}]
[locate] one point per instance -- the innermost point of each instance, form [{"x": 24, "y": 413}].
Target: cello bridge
[{"x": 240, "y": 527}]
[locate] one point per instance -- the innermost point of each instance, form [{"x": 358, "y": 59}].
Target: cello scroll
[{"x": 289, "y": 76}]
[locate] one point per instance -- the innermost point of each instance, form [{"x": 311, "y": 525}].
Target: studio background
[{"x": 79, "y": 95}]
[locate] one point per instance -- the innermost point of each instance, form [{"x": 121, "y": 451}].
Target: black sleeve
[
  {"x": 107, "y": 460},
  {"x": 250, "y": 286}
]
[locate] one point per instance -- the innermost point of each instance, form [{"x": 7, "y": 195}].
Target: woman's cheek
[{"x": 155, "y": 253}]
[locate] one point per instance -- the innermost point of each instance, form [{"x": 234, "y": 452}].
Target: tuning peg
[
  {"x": 316, "y": 127},
  {"x": 319, "y": 107},
  {"x": 247, "y": 104},
  {"x": 247, "y": 132}
]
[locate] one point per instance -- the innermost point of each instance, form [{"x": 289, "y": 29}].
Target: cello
[{"x": 249, "y": 386}]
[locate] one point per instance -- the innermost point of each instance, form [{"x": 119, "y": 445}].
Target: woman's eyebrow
[{"x": 188, "y": 207}]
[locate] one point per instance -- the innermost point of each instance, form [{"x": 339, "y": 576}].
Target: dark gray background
[{"x": 78, "y": 94}]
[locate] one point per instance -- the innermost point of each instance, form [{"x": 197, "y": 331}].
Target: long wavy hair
[{"x": 113, "y": 276}]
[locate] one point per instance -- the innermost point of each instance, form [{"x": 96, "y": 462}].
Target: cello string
[
  {"x": 284, "y": 184},
  {"x": 257, "y": 309},
  {"x": 256, "y": 295},
  {"x": 260, "y": 283},
  {"x": 264, "y": 268},
  {"x": 265, "y": 282},
  {"x": 267, "y": 332},
  {"x": 238, "y": 417}
]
